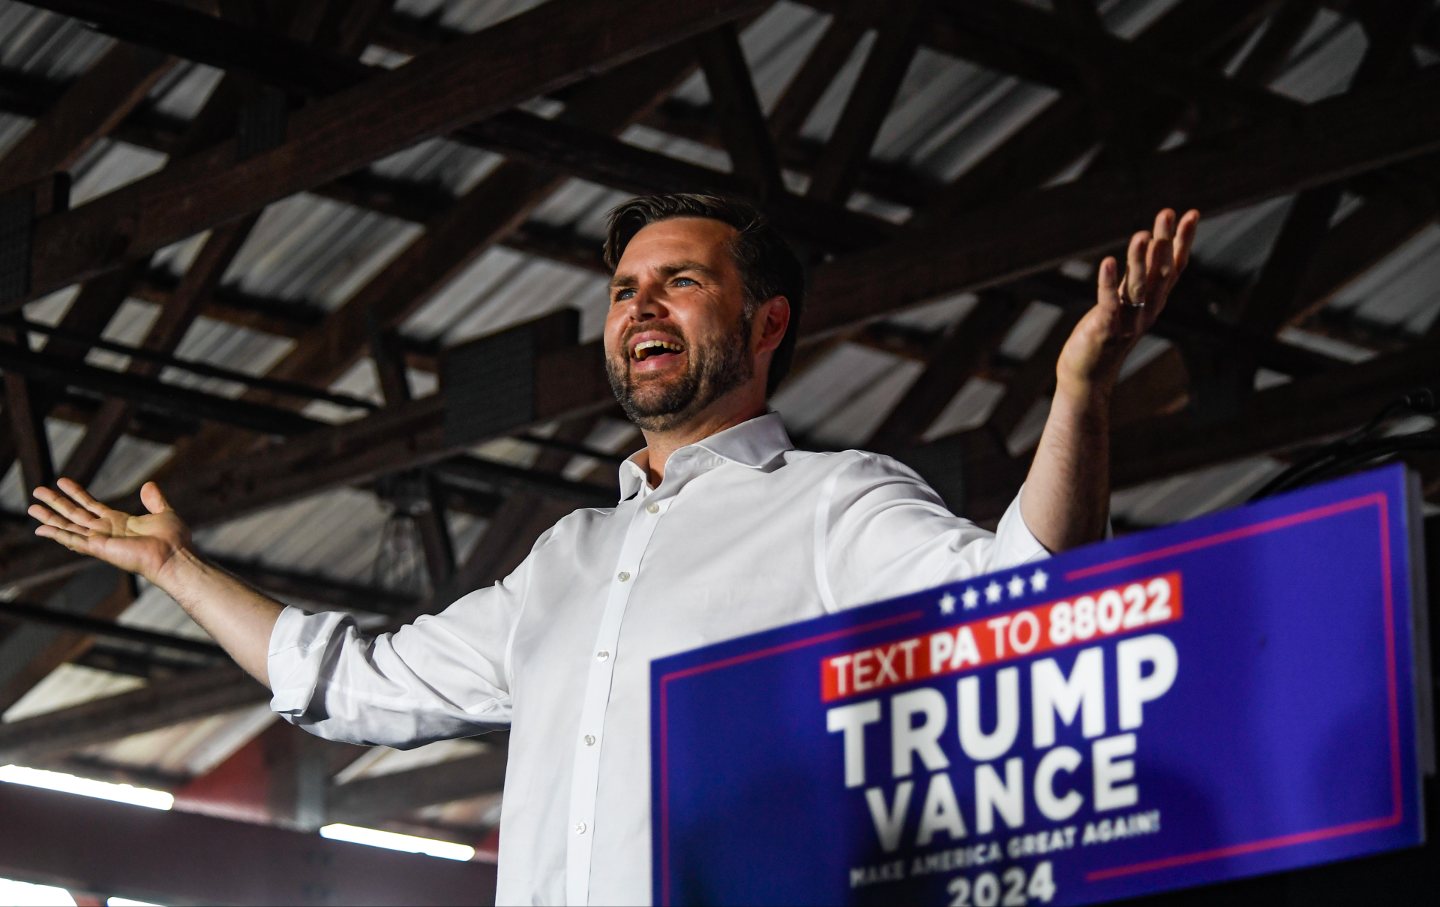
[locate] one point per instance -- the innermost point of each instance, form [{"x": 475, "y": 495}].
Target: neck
[{"x": 659, "y": 445}]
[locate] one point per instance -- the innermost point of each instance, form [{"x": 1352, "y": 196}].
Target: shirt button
[
  {"x": 580, "y": 828},
  {"x": 602, "y": 655},
  {"x": 589, "y": 739},
  {"x": 623, "y": 576},
  {"x": 652, "y": 508}
]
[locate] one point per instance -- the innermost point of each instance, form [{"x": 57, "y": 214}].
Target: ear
[{"x": 772, "y": 319}]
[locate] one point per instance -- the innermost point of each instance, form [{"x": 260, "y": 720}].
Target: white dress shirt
[{"x": 745, "y": 533}]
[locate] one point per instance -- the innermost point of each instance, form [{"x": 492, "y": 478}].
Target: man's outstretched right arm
[{"x": 156, "y": 545}]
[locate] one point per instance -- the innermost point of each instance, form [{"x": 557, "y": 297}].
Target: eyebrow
[{"x": 665, "y": 270}]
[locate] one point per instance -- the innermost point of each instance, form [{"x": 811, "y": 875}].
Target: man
[{"x": 723, "y": 528}]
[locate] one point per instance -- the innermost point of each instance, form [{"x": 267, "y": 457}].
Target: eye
[
  {"x": 623, "y": 294},
  {"x": 684, "y": 281}
]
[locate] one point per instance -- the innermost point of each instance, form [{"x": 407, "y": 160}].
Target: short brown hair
[{"x": 767, "y": 265}]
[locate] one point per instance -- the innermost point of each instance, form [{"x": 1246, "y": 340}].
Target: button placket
[{"x": 586, "y": 774}]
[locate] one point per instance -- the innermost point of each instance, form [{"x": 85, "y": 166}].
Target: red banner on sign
[{"x": 1073, "y": 621}]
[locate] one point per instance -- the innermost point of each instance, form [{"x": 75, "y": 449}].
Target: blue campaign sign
[{"x": 1222, "y": 698}]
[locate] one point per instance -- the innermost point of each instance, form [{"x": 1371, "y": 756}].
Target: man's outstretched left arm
[{"x": 1066, "y": 501}]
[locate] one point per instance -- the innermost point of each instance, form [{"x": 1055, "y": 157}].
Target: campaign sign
[{"x": 1226, "y": 697}]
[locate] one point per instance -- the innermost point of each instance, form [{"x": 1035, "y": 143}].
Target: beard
[{"x": 662, "y": 402}]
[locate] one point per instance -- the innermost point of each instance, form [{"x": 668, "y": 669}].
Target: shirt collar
[{"x": 754, "y": 443}]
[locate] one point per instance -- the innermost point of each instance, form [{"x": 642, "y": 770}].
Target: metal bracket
[
  {"x": 264, "y": 120},
  {"x": 489, "y": 383},
  {"x": 19, "y": 209},
  {"x": 17, "y": 229}
]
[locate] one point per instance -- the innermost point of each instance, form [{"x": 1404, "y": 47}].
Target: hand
[
  {"x": 136, "y": 544},
  {"x": 1091, "y": 359}
]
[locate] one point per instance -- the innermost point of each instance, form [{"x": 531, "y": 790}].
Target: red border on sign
[
  {"x": 1397, "y": 810},
  {"x": 726, "y": 663}
]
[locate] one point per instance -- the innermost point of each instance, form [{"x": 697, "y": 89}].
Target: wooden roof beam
[
  {"x": 737, "y": 109},
  {"x": 838, "y": 169},
  {"x": 163, "y": 336},
  {"x": 448, "y": 88},
  {"x": 78, "y": 117},
  {"x": 955, "y": 360},
  {"x": 456, "y": 237},
  {"x": 1336, "y": 138},
  {"x": 1270, "y": 421},
  {"x": 85, "y": 112},
  {"x": 1027, "y": 235},
  {"x": 1272, "y": 297},
  {"x": 833, "y": 49},
  {"x": 1195, "y": 31}
]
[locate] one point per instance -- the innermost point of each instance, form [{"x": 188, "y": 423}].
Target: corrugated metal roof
[{"x": 949, "y": 114}]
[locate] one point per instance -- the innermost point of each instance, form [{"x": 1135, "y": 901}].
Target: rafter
[
  {"x": 458, "y": 236},
  {"x": 1269, "y": 421},
  {"x": 455, "y": 85},
  {"x": 1061, "y": 132},
  {"x": 164, "y": 336},
  {"x": 24, "y": 413},
  {"x": 1343, "y": 135},
  {"x": 346, "y": 28},
  {"x": 87, "y": 110},
  {"x": 1269, "y": 301},
  {"x": 429, "y": 515},
  {"x": 747, "y": 135},
  {"x": 1336, "y": 138},
  {"x": 76, "y": 119},
  {"x": 808, "y": 85},
  {"x": 959, "y": 356},
  {"x": 838, "y": 169},
  {"x": 28, "y": 653},
  {"x": 160, "y": 704}
]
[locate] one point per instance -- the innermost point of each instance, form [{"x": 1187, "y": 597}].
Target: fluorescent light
[
  {"x": 12, "y": 892},
  {"x": 393, "y": 841},
  {"x": 115, "y": 901},
  {"x": 71, "y": 784}
]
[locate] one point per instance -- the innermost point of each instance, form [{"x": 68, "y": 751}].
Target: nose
[{"x": 644, "y": 305}]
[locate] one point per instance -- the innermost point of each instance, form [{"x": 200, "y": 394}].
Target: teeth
[{"x": 646, "y": 347}]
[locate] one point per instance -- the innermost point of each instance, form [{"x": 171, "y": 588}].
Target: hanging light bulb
[{"x": 400, "y": 560}]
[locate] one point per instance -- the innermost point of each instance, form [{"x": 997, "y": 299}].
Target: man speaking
[{"x": 722, "y": 528}]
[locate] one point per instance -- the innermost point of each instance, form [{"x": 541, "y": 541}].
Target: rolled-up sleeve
[
  {"x": 882, "y": 532},
  {"x": 445, "y": 675}
]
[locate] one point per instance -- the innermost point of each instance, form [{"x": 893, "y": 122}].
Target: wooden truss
[{"x": 297, "y": 111}]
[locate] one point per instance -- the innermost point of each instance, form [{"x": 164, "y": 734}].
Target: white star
[
  {"x": 992, "y": 592},
  {"x": 970, "y": 597},
  {"x": 1038, "y": 579},
  {"x": 947, "y": 604},
  {"x": 1017, "y": 587}
]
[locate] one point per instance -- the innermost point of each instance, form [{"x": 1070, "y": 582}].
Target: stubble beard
[{"x": 659, "y": 403}]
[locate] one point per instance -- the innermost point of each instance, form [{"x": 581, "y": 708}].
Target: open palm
[
  {"x": 141, "y": 544},
  {"x": 1126, "y": 306}
]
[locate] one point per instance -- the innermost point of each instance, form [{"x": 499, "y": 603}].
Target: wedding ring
[{"x": 1126, "y": 301}]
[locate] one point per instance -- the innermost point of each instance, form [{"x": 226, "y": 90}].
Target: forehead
[{"x": 678, "y": 238}]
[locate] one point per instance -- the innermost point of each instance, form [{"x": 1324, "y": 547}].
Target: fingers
[
  {"x": 1154, "y": 259},
  {"x": 1158, "y": 261},
  {"x": 77, "y": 491},
  {"x": 153, "y": 499},
  {"x": 1185, "y": 238},
  {"x": 66, "y": 514},
  {"x": 49, "y": 519},
  {"x": 1135, "y": 267},
  {"x": 71, "y": 540},
  {"x": 1108, "y": 282}
]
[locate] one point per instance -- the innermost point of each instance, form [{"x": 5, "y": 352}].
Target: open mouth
[{"x": 656, "y": 352}]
